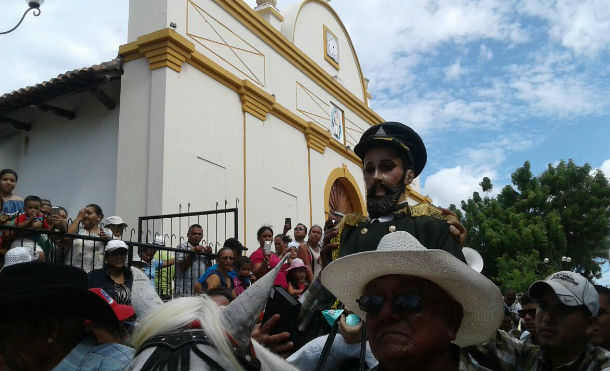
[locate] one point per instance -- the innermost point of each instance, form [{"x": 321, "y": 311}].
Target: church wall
[
  {"x": 203, "y": 146},
  {"x": 133, "y": 139},
  {"x": 309, "y": 37},
  {"x": 277, "y": 176},
  {"x": 266, "y": 67},
  {"x": 9, "y": 151},
  {"x": 71, "y": 162}
]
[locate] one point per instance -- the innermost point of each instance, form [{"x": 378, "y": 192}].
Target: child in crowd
[
  {"x": 151, "y": 265},
  {"x": 30, "y": 218},
  {"x": 292, "y": 250},
  {"x": 297, "y": 278},
  {"x": 243, "y": 266}
]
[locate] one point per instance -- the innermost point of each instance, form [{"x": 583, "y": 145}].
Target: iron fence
[
  {"x": 218, "y": 225},
  {"x": 162, "y": 264}
]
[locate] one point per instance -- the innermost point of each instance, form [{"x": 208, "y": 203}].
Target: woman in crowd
[
  {"x": 11, "y": 203},
  {"x": 263, "y": 261},
  {"x": 220, "y": 276},
  {"x": 88, "y": 253},
  {"x": 115, "y": 278},
  {"x": 310, "y": 253},
  {"x": 281, "y": 242}
]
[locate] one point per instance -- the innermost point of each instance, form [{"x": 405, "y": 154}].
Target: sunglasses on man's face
[
  {"x": 524, "y": 312},
  {"x": 405, "y": 303},
  {"x": 299, "y": 228}
]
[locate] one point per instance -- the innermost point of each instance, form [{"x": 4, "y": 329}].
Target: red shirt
[
  {"x": 23, "y": 217},
  {"x": 258, "y": 256}
]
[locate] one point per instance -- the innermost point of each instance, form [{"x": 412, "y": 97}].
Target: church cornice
[
  {"x": 163, "y": 48},
  {"x": 255, "y": 101},
  {"x": 317, "y": 138}
]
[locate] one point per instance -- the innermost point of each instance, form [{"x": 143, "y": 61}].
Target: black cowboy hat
[
  {"x": 47, "y": 288},
  {"x": 398, "y": 136}
]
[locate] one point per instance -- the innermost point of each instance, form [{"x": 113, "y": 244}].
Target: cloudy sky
[{"x": 489, "y": 84}]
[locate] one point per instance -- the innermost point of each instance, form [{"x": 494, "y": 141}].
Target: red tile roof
[{"x": 71, "y": 81}]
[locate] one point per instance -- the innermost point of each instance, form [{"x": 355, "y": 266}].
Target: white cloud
[
  {"x": 579, "y": 25},
  {"x": 485, "y": 53},
  {"x": 605, "y": 167},
  {"x": 454, "y": 71},
  {"x": 452, "y": 185}
]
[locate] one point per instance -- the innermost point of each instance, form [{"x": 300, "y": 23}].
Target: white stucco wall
[
  {"x": 71, "y": 162},
  {"x": 133, "y": 142},
  {"x": 309, "y": 37},
  {"x": 9, "y": 151}
]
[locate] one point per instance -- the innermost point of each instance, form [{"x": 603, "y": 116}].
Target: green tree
[{"x": 565, "y": 211}]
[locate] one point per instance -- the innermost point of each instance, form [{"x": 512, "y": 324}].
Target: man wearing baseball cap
[
  {"x": 567, "y": 305},
  {"x": 117, "y": 226}
]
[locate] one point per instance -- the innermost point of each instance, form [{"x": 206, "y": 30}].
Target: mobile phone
[
  {"x": 55, "y": 210},
  {"x": 267, "y": 247},
  {"x": 288, "y": 221}
]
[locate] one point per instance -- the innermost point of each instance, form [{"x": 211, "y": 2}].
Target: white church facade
[{"x": 210, "y": 100}]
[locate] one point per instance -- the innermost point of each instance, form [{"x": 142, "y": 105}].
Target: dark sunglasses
[
  {"x": 227, "y": 258},
  {"x": 299, "y": 228},
  {"x": 400, "y": 304},
  {"x": 524, "y": 312}
]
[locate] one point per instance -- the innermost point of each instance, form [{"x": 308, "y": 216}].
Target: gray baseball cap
[{"x": 571, "y": 289}]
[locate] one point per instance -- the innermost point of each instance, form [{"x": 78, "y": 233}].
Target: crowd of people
[{"x": 388, "y": 291}]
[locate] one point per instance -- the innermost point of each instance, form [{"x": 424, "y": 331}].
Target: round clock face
[{"x": 332, "y": 47}]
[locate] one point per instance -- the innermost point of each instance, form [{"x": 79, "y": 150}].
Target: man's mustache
[{"x": 370, "y": 192}]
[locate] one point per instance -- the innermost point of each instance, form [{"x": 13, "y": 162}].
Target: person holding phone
[{"x": 263, "y": 259}]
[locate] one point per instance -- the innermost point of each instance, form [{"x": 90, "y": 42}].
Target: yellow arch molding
[{"x": 347, "y": 179}]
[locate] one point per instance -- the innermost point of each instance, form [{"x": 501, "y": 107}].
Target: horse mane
[{"x": 177, "y": 315}]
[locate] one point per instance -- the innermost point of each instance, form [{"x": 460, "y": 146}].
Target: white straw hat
[
  {"x": 18, "y": 254},
  {"x": 401, "y": 253}
]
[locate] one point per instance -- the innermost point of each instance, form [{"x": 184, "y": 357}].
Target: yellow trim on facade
[
  {"x": 309, "y": 181},
  {"x": 272, "y": 10},
  {"x": 412, "y": 193},
  {"x": 244, "y": 200},
  {"x": 343, "y": 175},
  {"x": 272, "y": 37},
  {"x": 326, "y": 56},
  {"x": 254, "y": 99},
  {"x": 163, "y": 48},
  {"x": 317, "y": 138}
]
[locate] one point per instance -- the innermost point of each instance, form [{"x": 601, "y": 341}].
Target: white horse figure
[{"x": 193, "y": 333}]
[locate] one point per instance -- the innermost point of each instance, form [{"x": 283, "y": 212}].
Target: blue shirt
[
  {"x": 12, "y": 208},
  {"x": 232, "y": 273},
  {"x": 151, "y": 269},
  {"x": 89, "y": 355}
]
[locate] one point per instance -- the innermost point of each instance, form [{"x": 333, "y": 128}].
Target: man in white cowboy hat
[
  {"x": 567, "y": 305},
  {"x": 420, "y": 305}
]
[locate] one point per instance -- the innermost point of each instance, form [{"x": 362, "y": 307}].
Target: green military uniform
[{"x": 425, "y": 222}]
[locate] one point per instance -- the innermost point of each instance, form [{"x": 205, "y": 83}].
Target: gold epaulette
[
  {"x": 350, "y": 220},
  {"x": 429, "y": 210}
]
